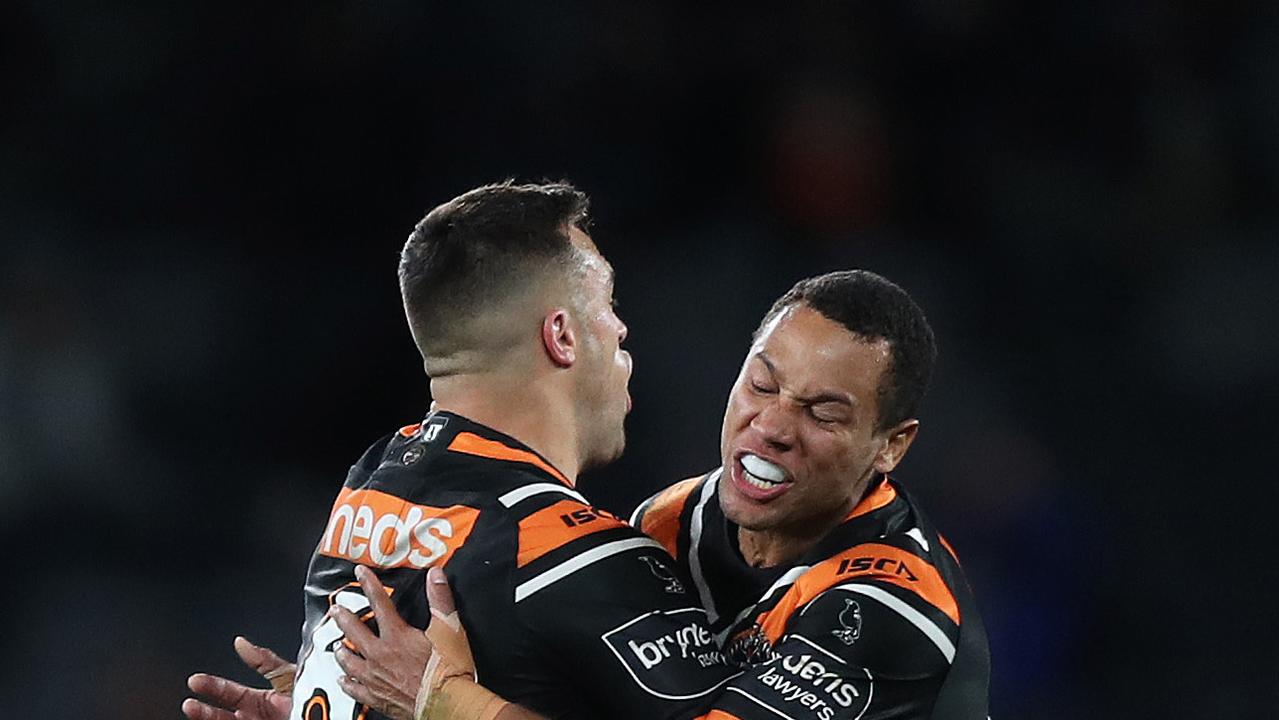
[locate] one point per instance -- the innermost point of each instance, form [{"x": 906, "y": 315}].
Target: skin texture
[
  {"x": 805, "y": 399},
  {"x": 228, "y": 700},
  {"x": 604, "y": 367},
  {"x": 383, "y": 670}
]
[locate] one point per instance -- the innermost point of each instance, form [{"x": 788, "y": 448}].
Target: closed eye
[{"x": 824, "y": 417}]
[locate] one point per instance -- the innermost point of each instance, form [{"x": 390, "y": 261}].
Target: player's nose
[{"x": 775, "y": 426}]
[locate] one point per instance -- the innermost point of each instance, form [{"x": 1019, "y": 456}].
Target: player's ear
[
  {"x": 558, "y": 338},
  {"x": 899, "y": 439}
]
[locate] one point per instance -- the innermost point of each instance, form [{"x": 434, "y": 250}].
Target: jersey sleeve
[
  {"x": 609, "y": 610},
  {"x": 858, "y": 649},
  {"x": 659, "y": 516}
]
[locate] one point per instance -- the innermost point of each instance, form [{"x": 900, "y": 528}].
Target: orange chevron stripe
[
  {"x": 557, "y": 525},
  {"x": 869, "y": 561},
  {"x": 661, "y": 520},
  {"x": 881, "y": 495},
  {"x": 473, "y": 444}
]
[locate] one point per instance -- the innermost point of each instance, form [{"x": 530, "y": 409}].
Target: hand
[
  {"x": 448, "y": 688},
  {"x": 243, "y": 702},
  {"x": 448, "y": 637},
  {"x": 386, "y": 669}
]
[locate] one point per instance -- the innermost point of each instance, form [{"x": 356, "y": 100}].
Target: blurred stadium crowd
[{"x": 201, "y": 208}]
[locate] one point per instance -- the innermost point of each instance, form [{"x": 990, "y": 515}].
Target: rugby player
[
  {"x": 819, "y": 574},
  {"x": 510, "y": 304}
]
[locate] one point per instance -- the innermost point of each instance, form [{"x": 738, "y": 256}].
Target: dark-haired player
[
  {"x": 825, "y": 582},
  {"x": 803, "y": 552},
  {"x": 510, "y": 305},
  {"x": 820, "y": 576}
]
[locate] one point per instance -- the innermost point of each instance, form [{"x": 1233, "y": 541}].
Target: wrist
[{"x": 458, "y": 697}]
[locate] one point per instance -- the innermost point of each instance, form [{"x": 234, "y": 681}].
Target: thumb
[
  {"x": 266, "y": 663},
  {"x": 445, "y": 631},
  {"x": 438, "y": 593}
]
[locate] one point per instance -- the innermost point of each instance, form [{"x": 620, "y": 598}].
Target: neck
[
  {"x": 775, "y": 546},
  {"x": 529, "y": 411},
  {"x": 770, "y": 548}
]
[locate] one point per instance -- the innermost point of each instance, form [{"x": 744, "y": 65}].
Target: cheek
[
  {"x": 739, "y": 410},
  {"x": 838, "y": 454}
]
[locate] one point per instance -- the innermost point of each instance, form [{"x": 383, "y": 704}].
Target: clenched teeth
[
  {"x": 759, "y": 469},
  {"x": 760, "y": 483}
]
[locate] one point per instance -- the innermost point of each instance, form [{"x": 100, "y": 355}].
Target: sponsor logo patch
[
  {"x": 670, "y": 653},
  {"x": 382, "y": 530},
  {"x": 805, "y": 682}
]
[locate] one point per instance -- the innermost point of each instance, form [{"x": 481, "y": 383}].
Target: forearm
[
  {"x": 461, "y": 698},
  {"x": 517, "y": 712}
]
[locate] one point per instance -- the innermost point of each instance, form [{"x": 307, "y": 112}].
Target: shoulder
[
  {"x": 414, "y": 498},
  {"x": 872, "y": 625},
  {"x": 660, "y": 516},
  {"x": 885, "y": 601},
  {"x": 560, "y": 537},
  {"x": 550, "y": 519}
]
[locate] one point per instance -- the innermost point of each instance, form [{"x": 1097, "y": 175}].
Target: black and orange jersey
[
  {"x": 570, "y": 611},
  {"x": 875, "y": 621}
]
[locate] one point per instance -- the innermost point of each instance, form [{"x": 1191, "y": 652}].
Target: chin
[
  {"x": 618, "y": 449},
  {"x": 605, "y": 455},
  {"x": 739, "y": 512}
]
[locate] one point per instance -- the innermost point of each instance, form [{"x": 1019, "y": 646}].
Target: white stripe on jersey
[
  {"x": 528, "y": 491},
  {"x": 918, "y": 536},
  {"x": 577, "y": 562},
  {"x": 635, "y": 513},
  {"x": 785, "y": 581},
  {"x": 695, "y": 541},
  {"x": 915, "y": 617}
]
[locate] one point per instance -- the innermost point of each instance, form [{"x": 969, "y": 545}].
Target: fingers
[
  {"x": 359, "y": 693},
  {"x": 357, "y": 633},
  {"x": 438, "y": 593},
  {"x": 218, "y": 689},
  {"x": 266, "y": 663},
  {"x": 197, "y": 710},
  {"x": 352, "y": 664},
  {"x": 388, "y": 618}
]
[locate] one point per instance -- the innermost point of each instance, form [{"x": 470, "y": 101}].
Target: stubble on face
[{"x": 605, "y": 368}]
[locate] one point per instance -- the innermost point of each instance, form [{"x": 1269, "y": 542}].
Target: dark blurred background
[{"x": 201, "y": 209}]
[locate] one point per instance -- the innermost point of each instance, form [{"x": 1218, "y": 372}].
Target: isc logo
[
  {"x": 580, "y": 517},
  {"x": 876, "y": 564},
  {"x": 375, "y": 528}
]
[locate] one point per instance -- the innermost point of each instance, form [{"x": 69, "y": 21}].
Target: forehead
[
  {"x": 813, "y": 355},
  {"x": 597, "y": 269}
]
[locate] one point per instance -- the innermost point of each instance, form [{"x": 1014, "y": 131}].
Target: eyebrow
[{"x": 824, "y": 396}]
